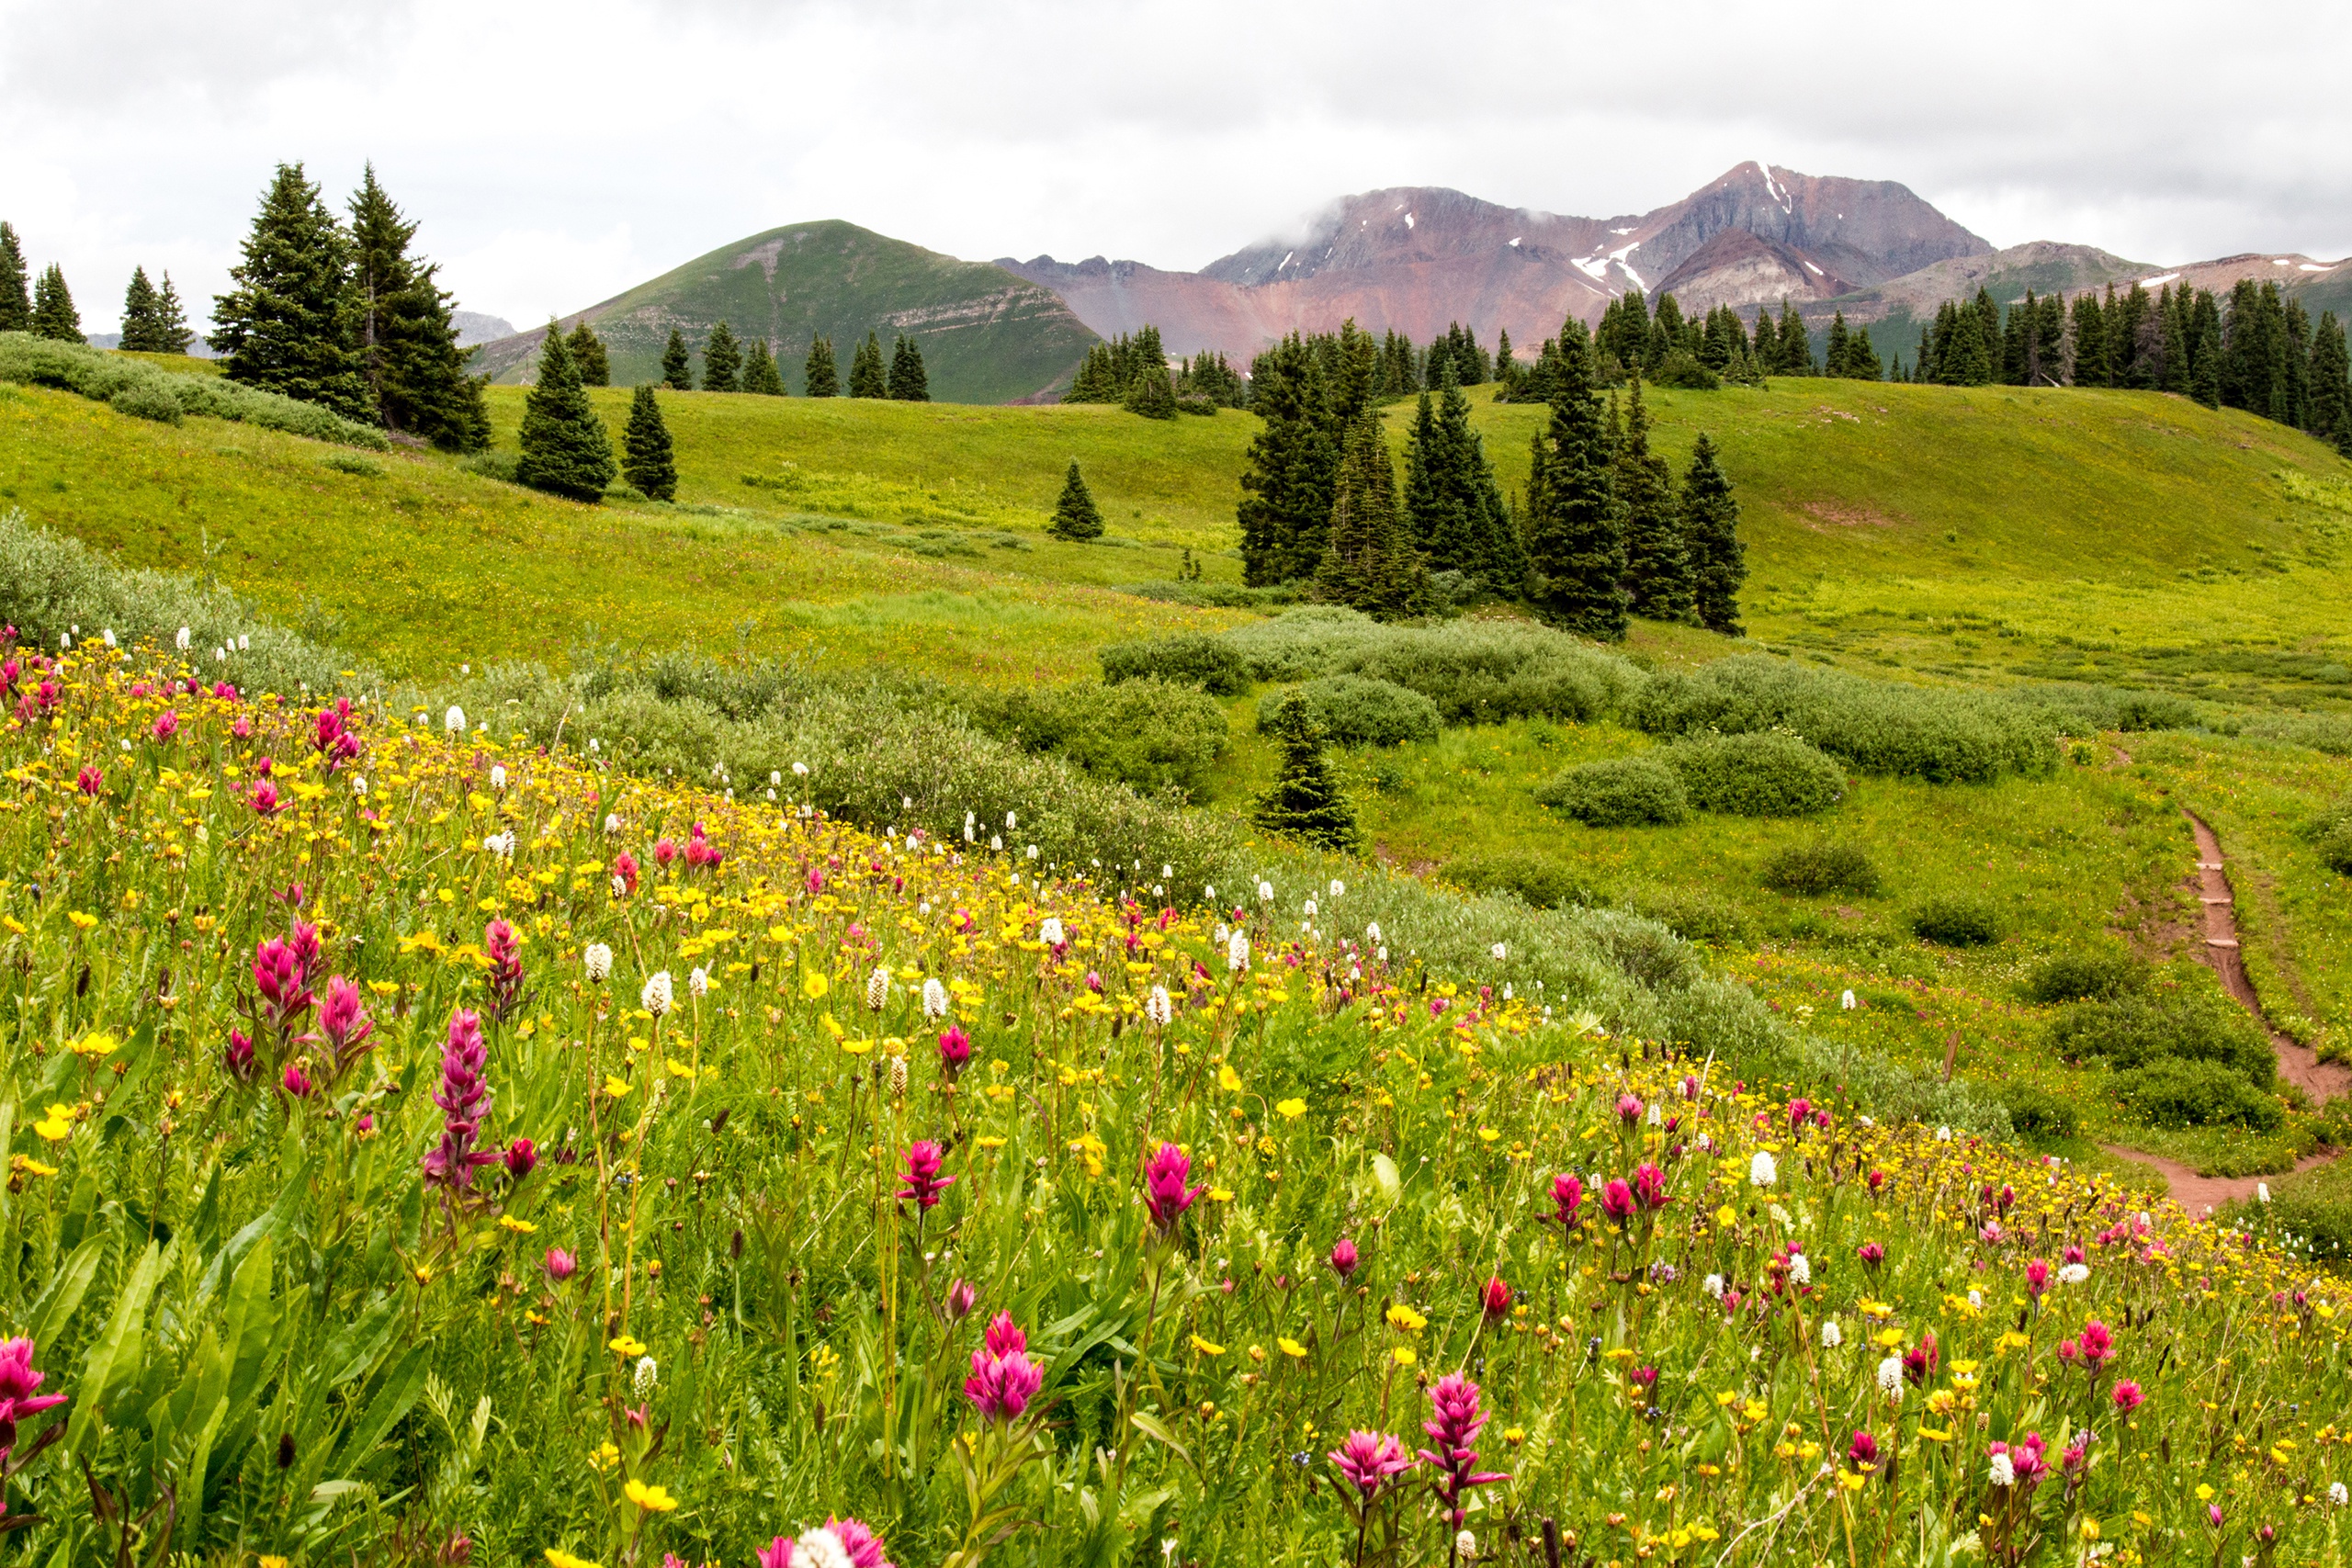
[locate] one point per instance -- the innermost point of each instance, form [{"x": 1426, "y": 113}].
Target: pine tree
[
  {"x": 1861, "y": 359},
  {"x": 1833, "y": 355},
  {"x": 1434, "y": 516},
  {"x": 818, "y": 373},
  {"x": 1149, "y": 394},
  {"x": 722, "y": 361},
  {"x": 1796, "y": 347},
  {"x": 54, "y": 313},
  {"x": 588, "y": 353},
  {"x": 1767, "y": 341},
  {"x": 171, "y": 327},
  {"x": 867, "y": 376},
  {"x": 1657, "y": 564},
  {"x": 138, "y": 315},
  {"x": 1285, "y": 510},
  {"x": 407, "y": 334},
  {"x": 1711, "y": 530},
  {"x": 2090, "y": 342},
  {"x": 2331, "y": 384},
  {"x": 1367, "y": 564},
  {"x": 1576, "y": 538},
  {"x": 648, "y": 462},
  {"x": 911, "y": 384},
  {"x": 1305, "y": 801},
  {"x": 2174, "y": 312},
  {"x": 565, "y": 450},
  {"x": 16, "y": 293},
  {"x": 1076, "y": 516},
  {"x": 677, "y": 367},
  {"x": 760, "y": 374},
  {"x": 289, "y": 321}
]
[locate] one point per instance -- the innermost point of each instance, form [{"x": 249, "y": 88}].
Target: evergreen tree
[
  {"x": 1796, "y": 347},
  {"x": 819, "y": 374},
  {"x": 1368, "y": 565},
  {"x": 1834, "y": 353},
  {"x": 1767, "y": 341},
  {"x": 1506, "y": 369},
  {"x": 908, "y": 384},
  {"x": 1076, "y": 516},
  {"x": 1658, "y": 563},
  {"x": 722, "y": 361},
  {"x": 2205, "y": 363},
  {"x": 171, "y": 326},
  {"x": 867, "y": 376},
  {"x": 1285, "y": 510},
  {"x": 1666, "y": 333},
  {"x": 648, "y": 462},
  {"x": 1305, "y": 801},
  {"x": 2331, "y": 384},
  {"x": 407, "y": 334},
  {"x": 15, "y": 292},
  {"x": 1150, "y": 395},
  {"x": 289, "y": 321},
  {"x": 1576, "y": 534},
  {"x": 2173, "y": 309},
  {"x": 139, "y": 315},
  {"x": 1861, "y": 359},
  {"x": 2090, "y": 340},
  {"x": 588, "y": 353},
  {"x": 1711, "y": 529},
  {"x": 565, "y": 450},
  {"x": 677, "y": 367},
  {"x": 760, "y": 374},
  {"x": 54, "y": 313},
  {"x": 1097, "y": 380}
]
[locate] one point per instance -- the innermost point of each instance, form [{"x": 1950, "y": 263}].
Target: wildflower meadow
[{"x": 425, "y": 1148}]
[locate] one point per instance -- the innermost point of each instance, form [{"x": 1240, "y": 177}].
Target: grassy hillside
[{"x": 987, "y": 336}]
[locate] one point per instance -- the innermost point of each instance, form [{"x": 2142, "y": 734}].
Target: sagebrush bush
[
  {"x": 1540, "y": 881},
  {"x": 1476, "y": 671},
  {"x": 1352, "y": 711},
  {"x": 1956, "y": 920},
  {"x": 1935, "y": 733},
  {"x": 2098, "y": 974},
  {"x": 1618, "y": 792},
  {"x": 2328, "y": 732},
  {"x": 2188, "y": 1024},
  {"x": 1149, "y": 734},
  {"x": 1823, "y": 866},
  {"x": 1191, "y": 658},
  {"x": 1767, "y": 774},
  {"x": 2180, "y": 1093},
  {"x": 137, "y": 388},
  {"x": 2092, "y": 708}
]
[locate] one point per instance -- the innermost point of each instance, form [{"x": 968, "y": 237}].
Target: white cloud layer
[{"x": 557, "y": 155}]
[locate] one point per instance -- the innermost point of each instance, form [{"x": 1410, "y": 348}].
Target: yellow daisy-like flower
[
  {"x": 1291, "y": 1110},
  {"x": 813, "y": 984},
  {"x": 653, "y": 1499},
  {"x": 520, "y": 1228},
  {"x": 58, "y": 1125},
  {"x": 81, "y": 922},
  {"x": 1206, "y": 1349},
  {"x": 625, "y": 1346},
  {"x": 1228, "y": 1080},
  {"x": 1404, "y": 1355},
  {"x": 96, "y": 1046},
  {"x": 615, "y": 1086},
  {"x": 558, "y": 1558},
  {"x": 1401, "y": 1317},
  {"x": 1292, "y": 1347},
  {"x": 30, "y": 1166}
]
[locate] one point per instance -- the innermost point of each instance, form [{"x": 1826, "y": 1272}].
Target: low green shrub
[
  {"x": 1768, "y": 774},
  {"x": 2336, "y": 851},
  {"x": 2099, "y": 974},
  {"x": 1694, "y": 917},
  {"x": 505, "y": 467},
  {"x": 1536, "y": 880},
  {"x": 1149, "y": 734},
  {"x": 1191, "y": 658},
  {"x": 1618, "y": 792},
  {"x": 2174, "y": 1093},
  {"x": 1683, "y": 371},
  {"x": 2092, "y": 708},
  {"x": 1823, "y": 866},
  {"x": 137, "y": 388},
  {"x": 2185, "y": 1025},
  {"x": 1352, "y": 711},
  {"x": 1198, "y": 594},
  {"x": 2328, "y": 732},
  {"x": 1956, "y": 920},
  {"x": 1477, "y": 671},
  {"x": 2036, "y": 1113},
  {"x": 146, "y": 400}
]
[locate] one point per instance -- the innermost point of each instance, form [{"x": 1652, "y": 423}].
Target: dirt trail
[{"x": 2299, "y": 1064}]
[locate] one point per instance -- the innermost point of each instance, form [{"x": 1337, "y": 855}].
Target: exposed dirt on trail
[{"x": 2298, "y": 1064}]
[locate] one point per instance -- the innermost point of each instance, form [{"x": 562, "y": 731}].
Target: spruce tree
[
  {"x": 1796, "y": 347},
  {"x": 1305, "y": 801},
  {"x": 290, "y": 322},
  {"x": 1075, "y": 517},
  {"x": 911, "y": 384},
  {"x": 565, "y": 450},
  {"x": 1711, "y": 532},
  {"x": 171, "y": 328},
  {"x": 1367, "y": 563},
  {"x": 1285, "y": 510},
  {"x": 2090, "y": 342},
  {"x": 16, "y": 289},
  {"x": 1576, "y": 538},
  {"x": 2331, "y": 384},
  {"x": 760, "y": 375},
  {"x": 1150, "y": 394},
  {"x": 677, "y": 367},
  {"x": 1657, "y": 564},
  {"x": 648, "y": 462},
  {"x": 1768, "y": 343},
  {"x": 1433, "y": 514},
  {"x": 138, "y": 315},
  {"x": 867, "y": 376},
  {"x": 1834, "y": 353},
  {"x": 588, "y": 353},
  {"x": 819, "y": 374},
  {"x": 722, "y": 360},
  {"x": 407, "y": 333},
  {"x": 54, "y": 313}
]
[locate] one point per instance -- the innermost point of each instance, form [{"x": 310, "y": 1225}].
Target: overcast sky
[{"x": 557, "y": 155}]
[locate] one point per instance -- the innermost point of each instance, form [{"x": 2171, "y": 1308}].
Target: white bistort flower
[
  {"x": 1831, "y": 1335},
  {"x": 1762, "y": 1170},
  {"x": 498, "y": 776},
  {"x": 597, "y": 959},
  {"x": 821, "y": 1547},
  {"x": 1890, "y": 1377},
  {"x": 1800, "y": 1269},
  {"x": 658, "y": 995},
  {"x": 1237, "y": 950},
  {"x": 2074, "y": 1274},
  {"x": 1500, "y": 952},
  {"x": 934, "y": 1000},
  {"x": 1158, "y": 1009},
  {"x": 877, "y": 988},
  {"x": 1049, "y": 931},
  {"x": 454, "y": 721},
  {"x": 1713, "y": 1285},
  {"x": 1265, "y": 892},
  {"x": 2003, "y": 1473},
  {"x": 698, "y": 982},
  {"x": 644, "y": 1375},
  {"x": 2338, "y": 1494}
]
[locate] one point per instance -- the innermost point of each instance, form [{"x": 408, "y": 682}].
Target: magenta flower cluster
[{"x": 1003, "y": 1379}]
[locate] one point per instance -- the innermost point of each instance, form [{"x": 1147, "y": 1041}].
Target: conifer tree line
[
  {"x": 730, "y": 364},
  {"x": 1604, "y": 530},
  {"x": 345, "y": 315},
  {"x": 2258, "y": 351},
  {"x": 153, "y": 318}
]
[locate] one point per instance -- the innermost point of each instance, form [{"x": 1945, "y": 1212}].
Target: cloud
[{"x": 557, "y": 155}]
